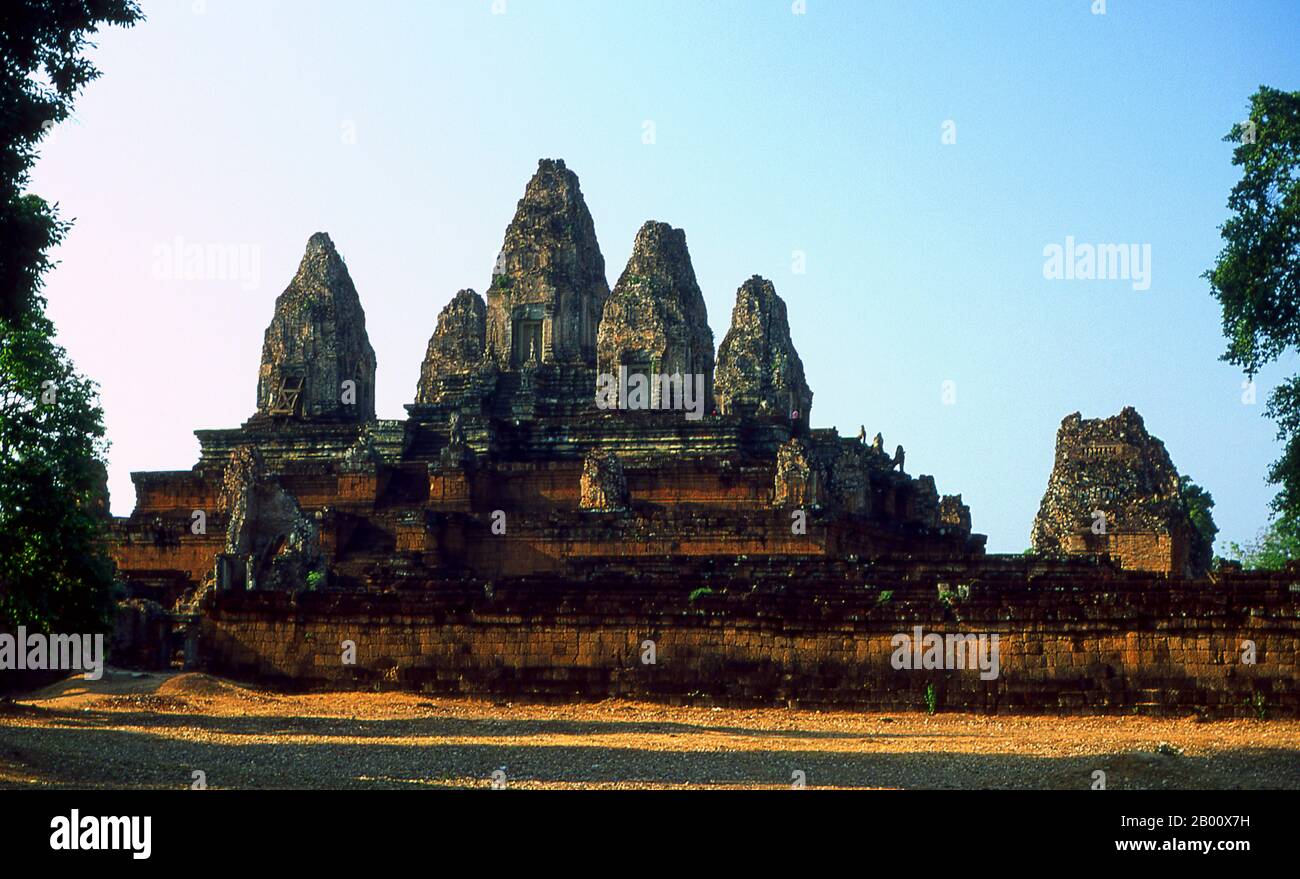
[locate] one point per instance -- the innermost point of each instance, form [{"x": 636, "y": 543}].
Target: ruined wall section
[
  {"x": 1113, "y": 489},
  {"x": 1113, "y": 644},
  {"x": 603, "y": 486}
]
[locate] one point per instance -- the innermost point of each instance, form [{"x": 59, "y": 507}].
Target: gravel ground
[{"x": 153, "y": 731}]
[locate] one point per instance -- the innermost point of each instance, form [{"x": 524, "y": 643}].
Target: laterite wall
[{"x": 1115, "y": 643}]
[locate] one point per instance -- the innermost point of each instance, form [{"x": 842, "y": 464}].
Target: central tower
[{"x": 548, "y": 286}]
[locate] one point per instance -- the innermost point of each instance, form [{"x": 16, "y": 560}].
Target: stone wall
[
  {"x": 1141, "y": 551},
  {"x": 143, "y": 548},
  {"x": 1121, "y": 647}
]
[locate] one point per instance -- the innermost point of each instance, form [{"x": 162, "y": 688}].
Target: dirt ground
[{"x": 133, "y": 730}]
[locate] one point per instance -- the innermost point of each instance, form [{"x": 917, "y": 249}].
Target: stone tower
[
  {"x": 655, "y": 322},
  {"x": 317, "y": 363},
  {"x": 1114, "y": 490},
  {"x": 759, "y": 372},
  {"x": 456, "y": 347},
  {"x": 548, "y": 286}
]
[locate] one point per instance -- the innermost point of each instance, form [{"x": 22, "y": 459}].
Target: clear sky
[{"x": 407, "y": 131}]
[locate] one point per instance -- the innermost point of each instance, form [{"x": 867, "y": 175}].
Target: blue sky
[{"x": 407, "y": 131}]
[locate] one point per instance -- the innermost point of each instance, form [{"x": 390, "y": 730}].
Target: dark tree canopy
[
  {"x": 1200, "y": 506},
  {"x": 1257, "y": 275},
  {"x": 53, "y": 568},
  {"x": 42, "y": 69},
  {"x": 54, "y": 571}
]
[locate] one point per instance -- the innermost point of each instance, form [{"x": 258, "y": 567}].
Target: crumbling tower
[
  {"x": 655, "y": 322},
  {"x": 548, "y": 285},
  {"x": 317, "y": 362},
  {"x": 759, "y": 372},
  {"x": 455, "y": 349},
  {"x": 1115, "y": 491}
]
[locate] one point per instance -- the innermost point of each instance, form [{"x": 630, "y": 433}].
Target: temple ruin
[
  {"x": 504, "y": 419},
  {"x": 508, "y": 514},
  {"x": 1114, "y": 491}
]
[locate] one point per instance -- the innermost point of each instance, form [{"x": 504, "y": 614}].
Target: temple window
[
  {"x": 527, "y": 341},
  {"x": 640, "y": 366},
  {"x": 286, "y": 397}
]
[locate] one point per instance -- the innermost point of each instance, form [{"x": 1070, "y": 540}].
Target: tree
[
  {"x": 41, "y": 70},
  {"x": 54, "y": 572},
  {"x": 1275, "y": 546},
  {"x": 53, "y": 568},
  {"x": 1257, "y": 275},
  {"x": 1199, "y": 505}
]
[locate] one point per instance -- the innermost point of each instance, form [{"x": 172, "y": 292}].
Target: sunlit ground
[{"x": 156, "y": 731}]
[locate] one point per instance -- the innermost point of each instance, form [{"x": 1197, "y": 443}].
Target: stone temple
[
  {"x": 504, "y": 418},
  {"x": 580, "y": 472}
]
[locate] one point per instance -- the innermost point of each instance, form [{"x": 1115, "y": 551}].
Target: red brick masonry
[{"x": 1103, "y": 642}]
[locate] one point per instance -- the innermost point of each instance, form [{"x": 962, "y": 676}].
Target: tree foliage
[
  {"x": 53, "y": 568},
  {"x": 1257, "y": 275},
  {"x": 42, "y": 69},
  {"x": 1199, "y": 506},
  {"x": 1273, "y": 549}
]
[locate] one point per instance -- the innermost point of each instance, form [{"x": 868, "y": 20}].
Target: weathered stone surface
[
  {"x": 758, "y": 369},
  {"x": 926, "y": 503},
  {"x": 850, "y": 477},
  {"x": 548, "y": 286},
  {"x": 316, "y": 341},
  {"x": 141, "y": 636},
  {"x": 604, "y": 487},
  {"x": 361, "y": 456},
  {"x": 1113, "y": 481},
  {"x": 953, "y": 513},
  {"x": 270, "y": 543},
  {"x": 798, "y": 479},
  {"x": 656, "y": 317},
  {"x": 456, "y": 346},
  {"x": 806, "y": 637}
]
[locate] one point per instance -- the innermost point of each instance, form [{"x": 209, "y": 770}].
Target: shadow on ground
[{"x": 88, "y": 754}]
